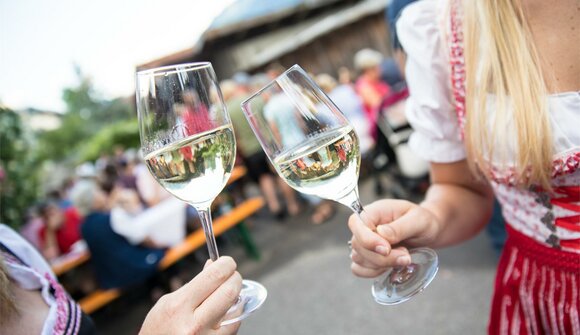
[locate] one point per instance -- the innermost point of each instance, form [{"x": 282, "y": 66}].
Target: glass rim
[
  {"x": 292, "y": 68},
  {"x": 174, "y": 68}
]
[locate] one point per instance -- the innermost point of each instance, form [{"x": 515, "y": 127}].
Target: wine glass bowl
[
  {"x": 189, "y": 146},
  {"x": 315, "y": 149}
]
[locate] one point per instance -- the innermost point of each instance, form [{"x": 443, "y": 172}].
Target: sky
[{"x": 42, "y": 40}]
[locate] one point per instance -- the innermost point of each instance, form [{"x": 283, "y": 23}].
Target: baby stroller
[{"x": 408, "y": 174}]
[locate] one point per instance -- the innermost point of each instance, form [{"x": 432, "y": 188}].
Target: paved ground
[{"x": 311, "y": 290}]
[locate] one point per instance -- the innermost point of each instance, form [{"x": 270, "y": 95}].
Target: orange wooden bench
[
  {"x": 195, "y": 240},
  {"x": 66, "y": 264}
]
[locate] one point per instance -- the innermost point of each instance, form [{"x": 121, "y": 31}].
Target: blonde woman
[{"x": 495, "y": 102}]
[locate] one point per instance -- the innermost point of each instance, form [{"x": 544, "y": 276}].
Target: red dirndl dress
[{"x": 537, "y": 285}]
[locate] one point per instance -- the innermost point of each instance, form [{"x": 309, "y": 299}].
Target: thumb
[{"x": 412, "y": 225}]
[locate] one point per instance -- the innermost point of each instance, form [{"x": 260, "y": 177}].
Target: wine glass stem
[
  {"x": 352, "y": 201},
  {"x": 205, "y": 218}
]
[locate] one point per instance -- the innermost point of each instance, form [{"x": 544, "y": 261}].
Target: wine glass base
[
  {"x": 251, "y": 298},
  {"x": 398, "y": 285}
]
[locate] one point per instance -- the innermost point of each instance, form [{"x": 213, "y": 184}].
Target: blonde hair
[
  {"x": 501, "y": 59},
  {"x": 7, "y": 303}
]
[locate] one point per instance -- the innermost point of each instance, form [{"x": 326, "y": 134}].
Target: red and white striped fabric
[{"x": 536, "y": 289}]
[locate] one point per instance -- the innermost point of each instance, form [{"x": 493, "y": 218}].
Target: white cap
[{"x": 367, "y": 58}]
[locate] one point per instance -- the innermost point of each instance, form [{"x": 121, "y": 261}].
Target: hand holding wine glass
[
  {"x": 316, "y": 151},
  {"x": 189, "y": 146},
  {"x": 394, "y": 222}
]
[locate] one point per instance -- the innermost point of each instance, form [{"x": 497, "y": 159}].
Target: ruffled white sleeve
[{"x": 429, "y": 109}]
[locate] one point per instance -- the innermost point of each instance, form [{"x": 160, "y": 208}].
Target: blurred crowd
[
  {"x": 362, "y": 94},
  {"x": 116, "y": 209}
]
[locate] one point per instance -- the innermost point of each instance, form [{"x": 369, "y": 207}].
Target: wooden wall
[
  {"x": 326, "y": 54},
  {"x": 330, "y": 52}
]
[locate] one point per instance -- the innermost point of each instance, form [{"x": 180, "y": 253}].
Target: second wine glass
[
  {"x": 189, "y": 146},
  {"x": 316, "y": 151}
]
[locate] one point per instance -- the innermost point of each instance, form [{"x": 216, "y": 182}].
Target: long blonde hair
[
  {"x": 7, "y": 304},
  {"x": 501, "y": 60}
]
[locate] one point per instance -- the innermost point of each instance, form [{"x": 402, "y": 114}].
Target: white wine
[
  {"x": 196, "y": 168},
  {"x": 326, "y": 166}
]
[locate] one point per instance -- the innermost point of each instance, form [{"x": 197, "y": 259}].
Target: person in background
[
  {"x": 344, "y": 76},
  {"x": 32, "y": 300},
  {"x": 160, "y": 226},
  {"x": 127, "y": 178},
  {"x": 60, "y": 229},
  {"x": 373, "y": 91},
  {"x": 257, "y": 165},
  {"x": 31, "y": 229},
  {"x": 351, "y": 105},
  {"x": 117, "y": 262},
  {"x": 392, "y": 14},
  {"x": 494, "y": 101},
  {"x": 369, "y": 85}
]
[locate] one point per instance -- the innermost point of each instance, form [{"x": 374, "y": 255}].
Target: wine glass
[
  {"x": 315, "y": 150},
  {"x": 188, "y": 143}
]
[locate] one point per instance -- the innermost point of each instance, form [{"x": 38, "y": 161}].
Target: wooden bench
[
  {"x": 69, "y": 262},
  {"x": 195, "y": 240}
]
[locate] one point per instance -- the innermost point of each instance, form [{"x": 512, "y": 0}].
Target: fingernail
[
  {"x": 381, "y": 249},
  {"x": 403, "y": 260}
]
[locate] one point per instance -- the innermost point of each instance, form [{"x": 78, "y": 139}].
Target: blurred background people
[
  {"x": 258, "y": 167},
  {"x": 369, "y": 85},
  {"x": 117, "y": 263}
]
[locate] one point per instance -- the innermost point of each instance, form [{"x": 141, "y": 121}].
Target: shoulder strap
[{"x": 457, "y": 63}]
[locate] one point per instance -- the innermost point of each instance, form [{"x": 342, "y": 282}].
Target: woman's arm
[{"x": 462, "y": 204}]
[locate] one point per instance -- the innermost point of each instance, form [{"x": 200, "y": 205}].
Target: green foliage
[
  {"x": 125, "y": 134},
  {"x": 91, "y": 126},
  {"x": 18, "y": 170},
  {"x": 86, "y": 115}
]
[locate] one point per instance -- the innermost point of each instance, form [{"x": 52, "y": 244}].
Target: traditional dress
[
  {"x": 29, "y": 270},
  {"x": 537, "y": 287}
]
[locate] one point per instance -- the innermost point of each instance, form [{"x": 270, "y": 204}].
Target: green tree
[
  {"x": 86, "y": 114},
  {"x": 18, "y": 170},
  {"x": 122, "y": 133}
]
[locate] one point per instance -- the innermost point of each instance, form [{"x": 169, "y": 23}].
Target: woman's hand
[
  {"x": 199, "y": 306},
  {"x": 390, "y": 226}
]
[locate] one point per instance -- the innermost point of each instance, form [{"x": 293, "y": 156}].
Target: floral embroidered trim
[
  {"x": 67, "y": 311},
  {"x": 62, "y": 312},
  {"x": 457, "y": 62},
  {"x": 560, "y": 167},
  {"x": 567, "y": 165}
]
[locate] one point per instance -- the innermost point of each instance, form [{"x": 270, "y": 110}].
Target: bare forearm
[{"x": 462, "y": 212}]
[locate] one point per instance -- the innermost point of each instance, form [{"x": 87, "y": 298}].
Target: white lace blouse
[{"x": 550, "y": 218}]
